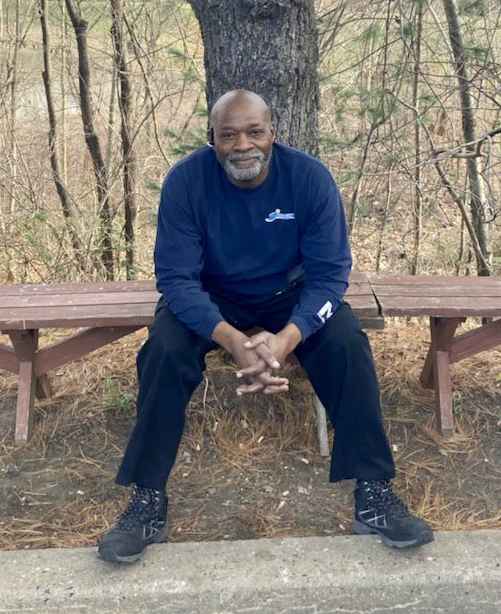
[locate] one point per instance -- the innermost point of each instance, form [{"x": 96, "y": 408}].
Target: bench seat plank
[
  {"x": 68, "y": 300},
  {"x": 437, "y": 281},
  {"x": 78, "y": 288},
  {"x": 436, "y": 306}
]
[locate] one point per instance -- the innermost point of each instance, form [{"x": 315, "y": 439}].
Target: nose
[{"x": 242, "y": 142}]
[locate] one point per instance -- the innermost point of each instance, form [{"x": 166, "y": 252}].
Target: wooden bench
[
  {"x": 107, "y": 311},
  {"x": 103, "y": 312},
  {"x": 447, "y": 301}
]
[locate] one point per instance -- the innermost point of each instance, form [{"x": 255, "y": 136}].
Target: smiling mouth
[{"x": 244, "y": 161}]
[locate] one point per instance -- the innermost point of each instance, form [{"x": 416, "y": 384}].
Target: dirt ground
[{"x": 248, "y": 467}]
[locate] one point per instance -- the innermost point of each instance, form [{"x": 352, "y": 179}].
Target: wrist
[
  {"x": 226, "y": 336},
  {"x": 291, "y": 336}
]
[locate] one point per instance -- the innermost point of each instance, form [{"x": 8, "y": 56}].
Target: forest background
[{"x": 408, "y": 122}]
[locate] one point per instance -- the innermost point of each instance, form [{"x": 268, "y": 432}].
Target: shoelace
[
  {"x": 385, "y": 500},
  {"x": 143, "y": 506}
]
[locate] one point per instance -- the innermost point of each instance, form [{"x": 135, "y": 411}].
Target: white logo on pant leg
[{"x": 325, "y": 312}]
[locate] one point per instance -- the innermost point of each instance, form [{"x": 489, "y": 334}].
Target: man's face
[{"x": 243, "y": 140}]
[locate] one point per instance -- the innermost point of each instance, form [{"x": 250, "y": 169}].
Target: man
[{"x": 252, "y": 232}]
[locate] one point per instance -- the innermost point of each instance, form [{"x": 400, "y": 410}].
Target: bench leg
[
  {"x": 25, "y": 344},
  {"x": 323, "y": 440},
  {"x": 443, "y": 393},
  {"x": 43, "y": 388},
  {"x": 442, "y": 332}
]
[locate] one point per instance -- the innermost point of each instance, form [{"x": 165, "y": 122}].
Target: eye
[
  {"x": 257, "y": 132},
  {"x": 226, "y": 136}
]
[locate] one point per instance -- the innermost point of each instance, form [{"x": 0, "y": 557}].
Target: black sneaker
[
  {"x": 144, "y": 522},
  {"x": 379, "y": 510}
]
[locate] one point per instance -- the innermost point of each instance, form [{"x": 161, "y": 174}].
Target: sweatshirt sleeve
[
  {"x": 179, "y": 260},
  {"x": 326, "y": 256}
]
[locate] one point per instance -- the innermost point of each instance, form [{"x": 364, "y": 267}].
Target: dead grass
[{"x": 247, "y": 467}]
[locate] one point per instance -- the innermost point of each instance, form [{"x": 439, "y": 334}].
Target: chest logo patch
[{"x": 278, "y": 215}]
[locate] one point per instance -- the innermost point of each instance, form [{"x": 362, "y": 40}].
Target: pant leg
[
  {"x": 339, "y": 364},
  {"x": 170, "y": 366}
]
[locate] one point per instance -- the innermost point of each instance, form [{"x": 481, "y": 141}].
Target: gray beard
[{"x": 249, "y": 173}]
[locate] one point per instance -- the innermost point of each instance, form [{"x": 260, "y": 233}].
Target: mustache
[{"x": 256, "y": 155}]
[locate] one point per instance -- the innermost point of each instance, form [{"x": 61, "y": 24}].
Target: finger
[
  {"x": 254, "y": 369},
  {"x": 276, "y": 389},
  {"x": 266, "y": 354},
  {"x": 255, "y": 340},
  {"x": 248, "y": 388},
  {"x": 271, "y": 380}
]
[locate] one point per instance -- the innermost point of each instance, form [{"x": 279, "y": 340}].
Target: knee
[{"x": 169, "y": 343}]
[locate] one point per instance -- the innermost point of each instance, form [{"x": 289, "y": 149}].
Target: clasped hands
[{"x": 258, "y": 357}]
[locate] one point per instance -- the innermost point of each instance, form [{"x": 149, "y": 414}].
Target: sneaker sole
[
  {"x": 424, "y": 538},
  {"x": 108, "y": 554}
]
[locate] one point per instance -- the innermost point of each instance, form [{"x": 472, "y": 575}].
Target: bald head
[
  {"x": 236, "y": 99},
  {"x": 243, "y": 136}
]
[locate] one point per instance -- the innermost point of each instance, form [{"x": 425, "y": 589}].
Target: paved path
[{"x": 460, "y": 573}]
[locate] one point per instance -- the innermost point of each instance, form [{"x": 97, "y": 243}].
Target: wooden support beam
[
  {"x": 443, "y": 393},
  {"x": 79, "y": 345},
  {"x": 8, "y": 359},
  {"x": 323, "y": 439},
  {"x": 43, "y": 389},
  {"x": 442, "y": 332},
  {"x": 25, "y": 345},
  {"x": 481, "y": 339}
]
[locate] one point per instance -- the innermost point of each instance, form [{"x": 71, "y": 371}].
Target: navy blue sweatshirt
[{"x": 214, "y": 237}]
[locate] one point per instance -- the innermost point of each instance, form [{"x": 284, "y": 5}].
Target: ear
[
  {"x": 273, "y": 132},
  {"x": 210, "y": 137}
]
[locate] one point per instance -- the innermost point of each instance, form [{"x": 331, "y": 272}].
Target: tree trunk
[
  {"x": 12, "y": 151},
  {"x": 478, "y": 204},
  {"x": 91, "y": 138},
  {"x": 271, "y": 48},
  {"x": 128, "y": 154},
  {"x": 53, "y": 152},
  {"x": 418, "y": 204}
]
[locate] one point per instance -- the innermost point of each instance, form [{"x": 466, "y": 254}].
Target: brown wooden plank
[
  {"x": 438, "y": 280},
  {"x": 459, "y": 291},
  {"x": 78, "y": 299},
  {"x": 43, "y": 389},
  {"x": 435, "y": 306},
  {"x": 363, "y": 305},
  {"x": 76, "y": 287},
  {"x": 84, "y": 342},
  {"x": 8, "y": 359},
  {"x": 356, "y": 277},
  {"x": 140, "y": 314},
  {"x": 481, "y": 339},
  {"x": 372, "y": 323},
  {"x": 443, "y": 393},
  {"x": 25, "y": 344},
  {"x": 442, "y": 331}
]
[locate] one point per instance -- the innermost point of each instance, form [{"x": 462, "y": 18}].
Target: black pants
[{"x": 337, "y": 359}]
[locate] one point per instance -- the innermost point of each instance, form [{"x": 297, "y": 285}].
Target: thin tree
[
  {"x": 92, "y": 139},
  {"x": 478, "y": 203},
  {"x": 128, "y": 153},
  {"x": 53, "y": 140},
  {"x": 416, "y": 86}
]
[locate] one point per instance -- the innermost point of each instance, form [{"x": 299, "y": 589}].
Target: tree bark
[
  {"x": 128, "y": 154},
  {"x": 418, "y": 204},
  {"x": 53, "y": 153},
  {"x": 91, "y": 138},
  {"x": 271, "y": 48},
  {"x": 478, "y": 204}
]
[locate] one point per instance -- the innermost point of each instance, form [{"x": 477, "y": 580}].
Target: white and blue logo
[{"x": 278, "y": 215}]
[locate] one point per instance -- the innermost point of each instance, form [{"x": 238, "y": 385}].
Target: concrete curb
[{"x": 459, "y": 573}]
